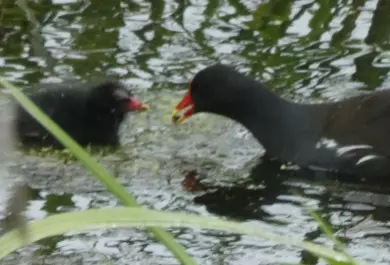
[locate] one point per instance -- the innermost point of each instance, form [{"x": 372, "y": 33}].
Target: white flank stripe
[
  {"x": 366, "y": 158},
  {"x": 346, "y": 149}
]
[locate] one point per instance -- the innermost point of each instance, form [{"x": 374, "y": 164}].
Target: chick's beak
[
  {"x": 184, "y": 109},
  {"x": 135, "y": 104}
]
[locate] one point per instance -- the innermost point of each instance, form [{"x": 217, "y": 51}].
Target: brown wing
[{"x": 361, "y": 120}]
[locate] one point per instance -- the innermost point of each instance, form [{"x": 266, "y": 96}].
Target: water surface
[{"x": 304, "y": 50}]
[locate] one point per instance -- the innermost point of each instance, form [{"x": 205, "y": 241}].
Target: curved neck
[{"x": 281, "y": 126}]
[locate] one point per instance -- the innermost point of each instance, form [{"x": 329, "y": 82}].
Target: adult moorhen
[
  {"x": 351, "y": 136},
  {"x": 91, "y": 116}
]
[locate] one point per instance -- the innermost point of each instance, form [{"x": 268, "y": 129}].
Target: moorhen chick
[
  {"x": 350, "y": 136},
  {"x": 91, "y": 116}
]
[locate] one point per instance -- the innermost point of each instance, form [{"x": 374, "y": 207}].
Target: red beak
[
  {"x": 135, "y": 104},
  {"x": 184, "y": 109}
]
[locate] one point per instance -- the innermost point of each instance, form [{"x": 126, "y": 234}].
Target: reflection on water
[{"x": 304, "y": 50}]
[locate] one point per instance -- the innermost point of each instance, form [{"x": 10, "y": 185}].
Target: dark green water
[{"x": 304, "y": 50}]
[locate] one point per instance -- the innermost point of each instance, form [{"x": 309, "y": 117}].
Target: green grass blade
[
  {"x": 327, "y": 230},
  {"x": 99, "y": 172},
  {"x": 135, "y": 217}
]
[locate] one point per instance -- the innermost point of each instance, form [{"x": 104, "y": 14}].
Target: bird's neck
[{"x": 281, "y": 126}]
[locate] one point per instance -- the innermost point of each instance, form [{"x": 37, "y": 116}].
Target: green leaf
[{"x": 135, "y": 217}]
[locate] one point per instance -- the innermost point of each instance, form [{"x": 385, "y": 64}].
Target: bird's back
[
  {"x": 66, "y": 106},
  {"x": 355, "y": 136}
]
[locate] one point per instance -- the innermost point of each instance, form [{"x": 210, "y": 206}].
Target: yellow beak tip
[
  {"x": 144, "y": 107},
  {"x": 176, "y": 119}
]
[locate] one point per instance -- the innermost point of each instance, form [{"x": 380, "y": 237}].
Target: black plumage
[
  {"x": 90, "y": 115},
  {"x": 349, "y": 136}
]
